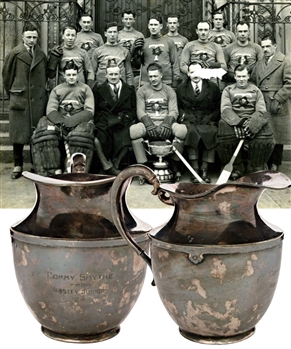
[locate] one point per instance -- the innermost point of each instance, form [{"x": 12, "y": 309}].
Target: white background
[{"x": 148, "y": 324}]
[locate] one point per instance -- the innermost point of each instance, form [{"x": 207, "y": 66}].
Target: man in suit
[
  {"x": 115, "y": 112},
  {"x": 272, "y": 75},
  {"x": 24, "y": 79},
  {"x": 199, "y": 110}
]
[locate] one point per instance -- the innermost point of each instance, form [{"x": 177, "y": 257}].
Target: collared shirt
[
  {"x": 29, "y": 49},
  {"x": 270, "y": 57},
  {"x": 198, "y": 83},
  {"x": 118, "y": 85}
]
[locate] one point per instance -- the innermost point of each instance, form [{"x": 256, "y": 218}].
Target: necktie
[
  {"x": 267, "y": 60},
  {"x": 197, "y": 90},
  {"x": 115, "y": 90},
  {"x": 30, "y": 51}
]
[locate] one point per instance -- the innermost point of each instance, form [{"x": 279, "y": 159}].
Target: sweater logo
[
  {"x": 127, "y": 44},
  {"x": 243, "y": 99},
  {"x": 69, "y": 105},
  {"x": 201, "y": 57},
  {"x": 219, "y": 40},
  {"x": 156, "y": 105},
  {"x": 243, "y": 58},
  {"x": 156, "y": 51},
  {"x": 86, "y": 46}
]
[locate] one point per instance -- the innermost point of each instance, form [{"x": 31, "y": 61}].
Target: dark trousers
[
  {"x": 276, "y": 156},
  {"x": 18, "y": 154}
]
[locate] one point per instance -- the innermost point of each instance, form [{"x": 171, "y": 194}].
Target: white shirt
[
  {"x": 198, "y": 83},
  {"x": 28, "y": 48},
  {"x": 270, "y": 57},
  {"x": 118, "y": 85}
]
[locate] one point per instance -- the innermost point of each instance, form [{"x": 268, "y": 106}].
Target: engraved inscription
[{"x": 79, "y": 285}]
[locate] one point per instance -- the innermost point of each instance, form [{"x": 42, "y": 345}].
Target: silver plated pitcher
[
  {"x": 77, "y": 275},
  {"x": 215, "y": 262}
]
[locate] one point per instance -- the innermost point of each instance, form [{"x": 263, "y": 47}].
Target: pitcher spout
[{"x": 219, "y": 214}]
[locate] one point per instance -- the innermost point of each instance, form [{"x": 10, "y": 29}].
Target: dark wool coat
[
  {"x": 274, "y": 80},
  {"x": 201, "y": 114},
  {"x": 24, "y": 80},
  {"x": 113, "y": 119}
]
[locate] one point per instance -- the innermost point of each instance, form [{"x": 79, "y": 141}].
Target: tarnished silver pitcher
[
  {"x": 215, "y": 262},
  {"x": 77, "y": 275}
]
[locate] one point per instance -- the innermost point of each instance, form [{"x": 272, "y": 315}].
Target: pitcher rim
[
  {"x": 278, "y": 180},
  {"x": 46, "y": 241},
  {"x": 65, "y": 183},
  {"x": 219, "y": 249}
]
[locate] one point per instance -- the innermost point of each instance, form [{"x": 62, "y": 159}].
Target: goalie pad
[
  {"x": 258, "y": 154},
  {"x": 81, "y": 140},
  {"x": 45, "y": 151},
  {"x": 46, "y": 157}
]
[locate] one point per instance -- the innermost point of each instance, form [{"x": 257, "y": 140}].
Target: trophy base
[
  {"x": 217, "y": 340},
  {"x": 81, "y": 338}
]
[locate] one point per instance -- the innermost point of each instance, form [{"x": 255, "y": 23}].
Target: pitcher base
[
  {"x": 81, "y": 338},
  {"x": 217, "y": 340}
]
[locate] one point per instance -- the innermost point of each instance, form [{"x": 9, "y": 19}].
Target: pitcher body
[
  {"x": 215, "y": 262},
  {"x": 77, "y": 275}
]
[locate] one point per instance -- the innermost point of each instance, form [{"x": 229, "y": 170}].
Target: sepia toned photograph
[{"x": 145, "y": 173}]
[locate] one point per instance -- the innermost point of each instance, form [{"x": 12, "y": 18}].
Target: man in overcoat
[
  {"x": 272, "y": 75},
  {"x": 115, "y": 112},
  {"x": 199, "y": 109},
  {"x": 24, "y": 79}
]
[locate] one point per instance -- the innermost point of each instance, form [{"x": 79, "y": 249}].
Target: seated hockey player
[{"x": 68, "y": 126}]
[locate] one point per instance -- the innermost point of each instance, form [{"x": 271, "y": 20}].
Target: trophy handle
[{"x": 117, "y": 210}]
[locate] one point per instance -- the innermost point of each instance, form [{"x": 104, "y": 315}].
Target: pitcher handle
[{"x": 116, "y": 202}]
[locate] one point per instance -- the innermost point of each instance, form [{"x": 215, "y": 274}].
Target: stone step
[
  {"x": 4, "y": 138},
  {"x": 6, "y": 153},
  {"x": 4, "y": 126},
  {"x": 4, "y": 115}
]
